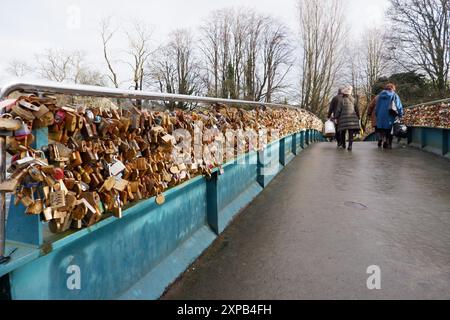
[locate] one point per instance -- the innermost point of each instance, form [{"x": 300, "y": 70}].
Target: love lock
[{"x": 8, "y": 125}]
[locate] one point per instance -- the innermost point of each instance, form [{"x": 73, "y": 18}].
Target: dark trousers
[
  {"x": 351, "y": 133},
  {"x": 338, "y": 138},
  {"x": 385, "y": 135}
]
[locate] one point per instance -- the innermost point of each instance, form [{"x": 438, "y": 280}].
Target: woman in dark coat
[{"x": 347, "y": 116}]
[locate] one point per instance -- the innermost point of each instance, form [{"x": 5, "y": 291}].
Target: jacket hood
[{"x": 385, "y": 94}]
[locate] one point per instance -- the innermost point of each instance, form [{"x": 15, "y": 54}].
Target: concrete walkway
[{"x": 328, "y": 216}]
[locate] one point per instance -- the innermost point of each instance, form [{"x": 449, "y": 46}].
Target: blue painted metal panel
[
  {"x": 232, "y": 191},
  {"x": 286, "y": 154},
  {"x": 20, "y": 227},
  {"x": 269, "y": 163},
  {"x": 416, "y": 137},
  {"x": 433, "y": 140},
  {"x": 142, "y": 239},
  {"x": 297, "y": 143},
  {"x": 303, "y": 139},
  {"x": 371, "y": 137}
]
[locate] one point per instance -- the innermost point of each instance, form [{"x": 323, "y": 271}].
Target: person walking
[
  {"x": 332, "y": 114},
  {"x": 388, "y": 108},
  {"x": 373, "y": 119},
  {"x": 347, "y": 115}
]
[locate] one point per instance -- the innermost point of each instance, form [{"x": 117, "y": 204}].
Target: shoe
[
  {"x": 349, "y": 148},
  {"x": 385, "y": 145},
  {"x": 380, "y": 143}
]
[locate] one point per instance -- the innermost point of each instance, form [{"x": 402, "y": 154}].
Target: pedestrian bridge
[
  {"x": 297, "y": 220},
  {"x": 314, "y": 231}
]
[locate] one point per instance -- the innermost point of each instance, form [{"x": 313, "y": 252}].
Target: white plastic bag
[{"x": 330, "y": 129}]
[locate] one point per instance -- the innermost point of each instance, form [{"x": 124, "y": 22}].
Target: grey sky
[{"x": 28, "y": 27}]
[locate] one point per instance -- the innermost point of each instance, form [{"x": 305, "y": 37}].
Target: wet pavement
[{"x": 314, "y": 231}]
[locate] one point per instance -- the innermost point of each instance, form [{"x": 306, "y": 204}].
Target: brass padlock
[{"x": 75, "y": 159}]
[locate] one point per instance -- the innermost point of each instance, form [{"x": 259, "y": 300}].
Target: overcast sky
[{"x": 28, "y": 27}]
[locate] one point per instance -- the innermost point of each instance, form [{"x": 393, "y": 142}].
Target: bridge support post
[
  {"x": 294, "y": 143},
  {"x": 445, "y": 142},
  {"x": 302, "y": 139}
]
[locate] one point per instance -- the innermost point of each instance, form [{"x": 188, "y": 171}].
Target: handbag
[
  {"x": 400, "y": 130},
  {"x": 393, "y": 111}
]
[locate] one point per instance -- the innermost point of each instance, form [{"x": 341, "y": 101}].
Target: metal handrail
[
  {"x": 429, "y": 103},
  {"x": 100, "y": 92}
]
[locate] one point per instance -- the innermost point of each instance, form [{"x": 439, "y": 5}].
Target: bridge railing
[
  {"x": 159, "y": 240},
  {"x": 434, "y": 139}
]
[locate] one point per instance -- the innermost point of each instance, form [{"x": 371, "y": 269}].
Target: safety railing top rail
[
  {"x": 100, "y": 92},
  {"x": 103, "y": 92},
  {"x": 431, "y": 103}
]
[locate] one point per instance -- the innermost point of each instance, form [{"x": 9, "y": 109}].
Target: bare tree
[
  {"x": 256, "y": 24},
  {"x": 175, "y": 67},
  {"x": 322, "y": 37},
  {"x": 67, "y": 66},
  {"x": 107, "y": 34},
  {"x": 276, "y": 60},
  {"x": 209, "y": 45},
  {"x": 139, "y": 51},
  {"x": 57, "y": 65},
  {"x": 422, "y": 37},
  {"x": 19, "y": 69}
]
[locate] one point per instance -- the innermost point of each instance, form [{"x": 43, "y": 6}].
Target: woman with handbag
[{"x": 388, "y": 108}]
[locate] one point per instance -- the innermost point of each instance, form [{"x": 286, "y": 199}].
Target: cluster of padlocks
[
  {"x": 99, "y": 160},
  {"x": 434, "y": 116}
]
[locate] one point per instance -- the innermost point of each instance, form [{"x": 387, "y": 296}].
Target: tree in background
[
  {"x": 322, "y": 38},
  {"x": 247, "y": 55},
  {"x": 67, "y": 66},
  {"x": 107, "y": 34},
  {"x": 421, "y": 35},
  {"x": 175, "y": 67},
  {"x": 18, "y": 68},
  {"x": 412, "y": 87}
]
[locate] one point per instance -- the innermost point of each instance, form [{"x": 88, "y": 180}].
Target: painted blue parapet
[
  {"x": 269, "y": 163},
  {"x": 115, "y": 254},
  {"x": 435, "y": 140},
  {"x": 371, "y": 137},
  {"x": 297, "y": 143},
  {"x": 230, "y": 192},
  {"x": 286, "y": 149},
  {"x": 141, "y": 254},
  {"x": 21, "y": 227},
  {"x": 303, "y": 143}
]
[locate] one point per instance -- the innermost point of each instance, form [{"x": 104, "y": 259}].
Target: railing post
[
  {"x": 302, "y": 139},
  {"x": 423, "y": 138},
  {"x": 294, "y": 143},
  {"x": 212, "y": 207},
  {"x": 445, "y": 141},
  {"x": 2, "y": 200}
]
